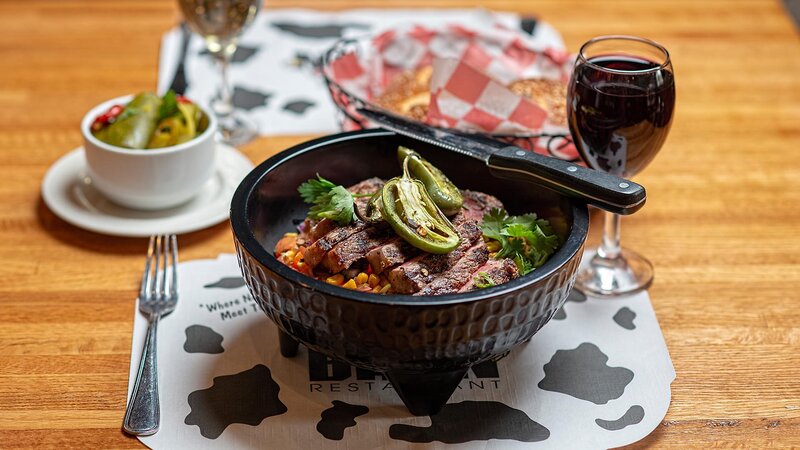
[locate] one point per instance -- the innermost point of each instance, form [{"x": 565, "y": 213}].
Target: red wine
[{"x": 619, "y": 119}]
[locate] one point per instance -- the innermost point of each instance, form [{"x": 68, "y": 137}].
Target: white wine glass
[{"x": 220, "y": 23}]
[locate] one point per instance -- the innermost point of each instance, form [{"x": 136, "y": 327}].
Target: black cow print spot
[
  {"x": 226, "y": 283},
  {"x": 241, "y": 55},
  {"x": 247, "y": 397},
  {"x": 632, "y": 416},
  {"x": 574, "y": 296},
  {"x": 583, "y": 373},
  {"x": 202, "y": 339},
  {"x": 247, "y": 99},
  {"x": 624, "y": 318},
  {"x": 469, "y": 421},
  {"x": 334, "y": 420},
  {"x": 326, "y": 31},
  {"x": 298, "y": 106}
]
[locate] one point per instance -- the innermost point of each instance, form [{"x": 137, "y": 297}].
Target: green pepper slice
[
  {"x": 443, "y": 192},
  {"x": 414, "y": 216},
  {"x": 372, "y": 210},
  {"x": 134, "y": 126}
]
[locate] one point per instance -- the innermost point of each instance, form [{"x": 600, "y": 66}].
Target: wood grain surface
[{"x": 721, "y": 223}]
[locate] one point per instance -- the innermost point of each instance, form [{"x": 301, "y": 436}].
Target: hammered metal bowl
[{"x": 423, "y": 345}]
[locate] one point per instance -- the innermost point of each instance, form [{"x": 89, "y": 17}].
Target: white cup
[{"x": 148, "y": 179}]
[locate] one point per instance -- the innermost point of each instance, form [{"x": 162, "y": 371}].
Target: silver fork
[{"x": 158, "y": 296}]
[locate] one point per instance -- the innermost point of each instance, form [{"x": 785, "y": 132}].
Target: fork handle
[{"x": 144, "y": 412}]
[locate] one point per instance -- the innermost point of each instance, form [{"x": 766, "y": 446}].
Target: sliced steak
[
  {"x": 499, "y": 271},
  {"x": 393, "y": 252},
  {"x": 315, "y": 253},
  {"x": 330, "y": 234},
  {"x": 316, "y": 230},
  {"x": 476, "y": 204},
  {"x": 354, "y": 248},
  {"x": 458, "y": 275},
  {"x": 410, "y": 276}
]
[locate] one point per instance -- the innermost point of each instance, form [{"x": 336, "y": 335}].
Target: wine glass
[
  {"x": 620, "y": 104},
  {"x": 220, "y": 23}
]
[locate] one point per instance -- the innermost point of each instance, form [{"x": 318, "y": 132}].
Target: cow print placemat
[
  {"x": 597, "y": 376},
  {"x": 273, "y": 70}
]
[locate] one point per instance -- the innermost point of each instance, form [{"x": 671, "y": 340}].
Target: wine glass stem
[
  {"x": 609, "y": 246},
  {"x": 223, "y": 107}
]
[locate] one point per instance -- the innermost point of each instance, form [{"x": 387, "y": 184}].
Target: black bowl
[{"x": 423, "y": 345}]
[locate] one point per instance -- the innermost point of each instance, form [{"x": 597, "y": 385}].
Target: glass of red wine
[{"x": 620, "y": 103}]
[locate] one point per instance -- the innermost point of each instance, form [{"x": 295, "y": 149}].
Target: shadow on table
[{"x": 101, "y": 243}]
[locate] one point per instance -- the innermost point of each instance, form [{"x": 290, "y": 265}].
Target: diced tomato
[
  {"x": 286, "y": 243},
  {"x": 107, "y": 117}
]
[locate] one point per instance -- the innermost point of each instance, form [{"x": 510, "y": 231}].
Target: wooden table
[{"x": 721, "y": 223}]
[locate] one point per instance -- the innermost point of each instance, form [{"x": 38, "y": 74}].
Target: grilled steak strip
[
  {"x": 458, "y": 275},
  {"x": 410, "y": 276},
  {"x": 315, "y": 253},
  {"x": 355, "y": 247},
  {"x": 498, "y": 271},
  {"x": 476, "y": 204},
  {"x": 393, "y": 252}
]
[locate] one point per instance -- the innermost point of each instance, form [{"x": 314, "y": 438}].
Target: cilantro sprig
[
  {"x": 169, "y": 105},
  {"x": 330, "y": 201},
  {"x": 526, "y": 239}
]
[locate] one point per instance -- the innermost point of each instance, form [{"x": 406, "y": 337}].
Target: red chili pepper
[
  {"x": 107, "y": 117},
  {"x": 182, "y": 99}
]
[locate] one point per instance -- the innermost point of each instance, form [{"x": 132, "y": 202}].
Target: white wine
[{"x": 219, "y": 22}]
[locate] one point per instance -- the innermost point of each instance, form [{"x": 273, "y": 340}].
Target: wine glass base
[
  {"x": 611, "y": 277},
  {"x": 236, "y": 129}
]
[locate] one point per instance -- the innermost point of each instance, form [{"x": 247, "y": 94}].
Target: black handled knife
[{"x": 600, "y": 189}]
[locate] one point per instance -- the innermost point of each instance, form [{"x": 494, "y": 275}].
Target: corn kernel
[
  {"x": 288, "y": 255},
  {"x": 386, "y": 288},
  {"x": 337, "y": 279},
  {"x": 361, "y": 278},
  {"x": 351, "y": 284},
  {"x": 373, "y": 280},
  {"x": 297, "y": 258}
]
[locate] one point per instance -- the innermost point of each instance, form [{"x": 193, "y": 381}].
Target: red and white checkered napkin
[{"x": 471, "y": 70}]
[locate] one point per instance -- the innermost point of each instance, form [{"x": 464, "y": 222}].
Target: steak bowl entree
[{"x": 416, "y": 234}]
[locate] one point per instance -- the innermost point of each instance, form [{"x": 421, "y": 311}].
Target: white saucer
[{"x": 68, "y": 192}]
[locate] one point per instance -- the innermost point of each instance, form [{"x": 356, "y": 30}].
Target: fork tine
[
  {"x": 163, "y": 288},
  {"x": 144, "y": 288},
  {"x": 154, "y": 288},
  {"x": 173, "y": 288}
]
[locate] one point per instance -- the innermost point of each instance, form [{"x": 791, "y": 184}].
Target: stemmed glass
[
  {"x": 220, "y": 23},
  {"x": 620, "y": 105}
]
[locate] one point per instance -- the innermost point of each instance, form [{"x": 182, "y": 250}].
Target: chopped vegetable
[
  {"x": 148, "y": 121},
  {"x": 526, "y": 239},
  {"x": 482, "y": 280},
  {"x": 443, "y": 192},
  {"x": 413, "y": 215},
  {"x": 330, "y": 201}
]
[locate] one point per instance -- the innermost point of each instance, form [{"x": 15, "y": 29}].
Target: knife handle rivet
[
  {"x": 520, "y": 152},
  {"x": 572, "y": 169},
  {"x": 624, "y": 185}
]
